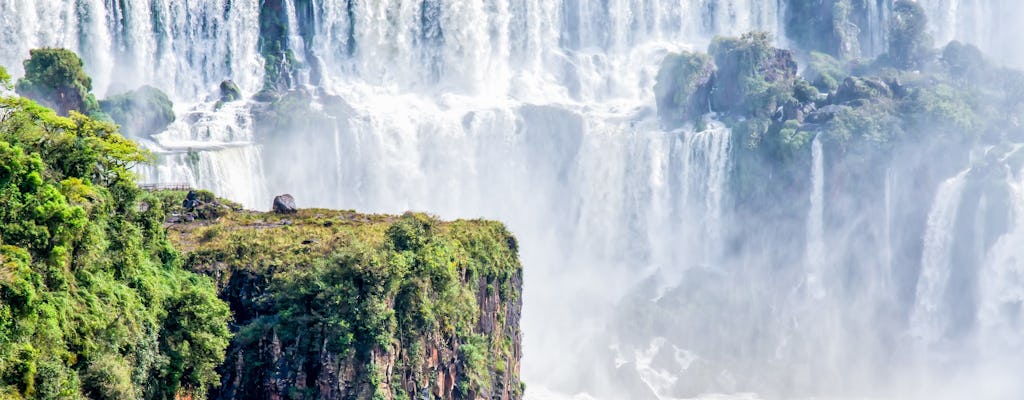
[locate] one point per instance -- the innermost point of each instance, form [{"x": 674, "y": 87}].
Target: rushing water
[{"x": 640, "y": 281}]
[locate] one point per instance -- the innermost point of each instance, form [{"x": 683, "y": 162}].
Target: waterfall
[
  {"x": 815, "y": 256},
  {"x": 991, "y": 25},
  {"x": 541, "y": 114},
  {"x": 705, "y": 168},
  {"x": 1001, "y": 306},
  {"x": 927, "y": 319},
  {"x": 184, "y": 48}
]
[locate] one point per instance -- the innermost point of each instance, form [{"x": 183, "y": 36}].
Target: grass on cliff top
[{"x": 295, "y": 239}]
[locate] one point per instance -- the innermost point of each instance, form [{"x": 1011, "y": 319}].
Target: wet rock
[
  {"x": 284, "y": 204},
  {"x": 229, "y": 91}
]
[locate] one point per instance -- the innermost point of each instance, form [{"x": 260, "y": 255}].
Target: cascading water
[
  {"x": 936, "y": 263},
  {"x": 815, "y": 256},
  {"x": 541, "y": 114},
  {"x": 989, "y": 24}
]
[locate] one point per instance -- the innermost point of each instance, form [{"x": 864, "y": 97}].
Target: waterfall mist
[{"x": 646, "y": 275}]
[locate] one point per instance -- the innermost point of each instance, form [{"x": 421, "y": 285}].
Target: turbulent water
[{"x": 541, "y": 114}]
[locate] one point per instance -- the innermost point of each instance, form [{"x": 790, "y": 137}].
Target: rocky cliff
[{"x": 338, "y": 305}]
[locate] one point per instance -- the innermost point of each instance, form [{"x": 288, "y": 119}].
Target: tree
[{"x": 56, "y": 79}]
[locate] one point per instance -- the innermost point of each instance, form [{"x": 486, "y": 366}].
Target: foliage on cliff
[
  {"x": 56, "y": 78},
  {"x": 340, "y": 305},
  {"x": 93, "y": 300},
  {"x": 912, "y": 100}
]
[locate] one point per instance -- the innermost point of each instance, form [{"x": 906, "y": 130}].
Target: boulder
[
  {"x": 229, "y": 91},
  {"x": 191, "y": 200},
  {"x": 285, "y": 204}
]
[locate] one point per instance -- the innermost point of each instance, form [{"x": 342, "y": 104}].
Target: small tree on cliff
[
  {"x": 909, "y": 44},
  {"x": 55, "y": 78}
]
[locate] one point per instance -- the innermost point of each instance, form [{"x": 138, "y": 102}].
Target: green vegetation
[
  {"x": 825, "y": 72},
  {"x": 5, "y": 79},
  {"x": 278, "y": 57},
  {"x": 828, "y": 26},
  {"x": 96, "y": 301},
  {"x": 753, "y": 81},
  {"x": 909, "y": 42},
  {"x": 142, "y": 112},
  {"x": 55, "y": 78},
  {"x": 93, "y": 300},
  {"x": 683, "y": 86},
  {"x": 383, "y": 292},
  {"x": 863, "y": 111}
]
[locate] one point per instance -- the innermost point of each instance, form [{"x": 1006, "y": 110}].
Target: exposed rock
[
  {"x": 798, "y": 111},
  {"x": 284, "y": 204},
  {"x": 142, "y": 112},
  {"x": 829, "y": 26},
  {"x": 749, "y": 71},
  {"x": 191, "y": 200},
  {"x": 857, "y": 88},
  {"x": 683, "y": 87}
]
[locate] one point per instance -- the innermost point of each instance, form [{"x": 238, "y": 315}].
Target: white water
[
  {"x": 992, "y": 25},
  {"x": 815, "y": 256},
  {"x": 540, "y": 114},
  {"x": 928, "y": 317}
]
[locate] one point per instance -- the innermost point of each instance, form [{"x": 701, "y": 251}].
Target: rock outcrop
[
  {"x": 683, "y": 87},
  {"x": 338, "y": 305},
  {"x": 284, "y": 204}
]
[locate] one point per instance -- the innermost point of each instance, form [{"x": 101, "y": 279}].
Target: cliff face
[{"x": 337, "y": 305}]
